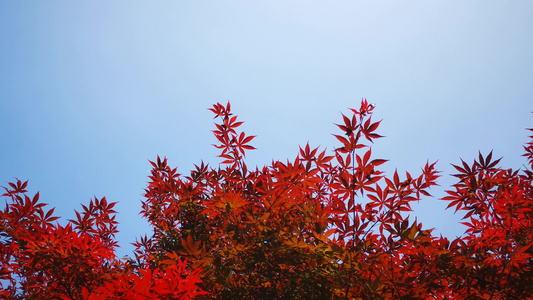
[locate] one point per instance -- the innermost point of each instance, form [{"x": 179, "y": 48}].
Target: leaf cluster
[{"x": 324, "y": 225}]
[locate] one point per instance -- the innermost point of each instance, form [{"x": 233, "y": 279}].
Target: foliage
[
  {"x": 43, "y": 260},
  {"x": 317, "y": 227}
]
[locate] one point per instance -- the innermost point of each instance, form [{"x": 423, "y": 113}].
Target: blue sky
[{"x": 90, "y": 91}]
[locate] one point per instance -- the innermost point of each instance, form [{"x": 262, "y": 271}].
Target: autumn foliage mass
[{"x": 325, "y": 225}]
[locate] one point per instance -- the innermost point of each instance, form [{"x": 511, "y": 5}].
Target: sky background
[{"x": 90, "y": 91}]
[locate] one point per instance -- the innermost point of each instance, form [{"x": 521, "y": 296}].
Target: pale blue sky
[{"x": 90, "y": 91}]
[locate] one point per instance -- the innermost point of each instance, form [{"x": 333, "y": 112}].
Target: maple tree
[
  {"x": 320, "y": 226},
  {"x": 43, "y": 260}
]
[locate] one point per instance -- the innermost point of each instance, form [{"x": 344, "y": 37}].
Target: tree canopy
[{"x": 320, "y": 226}]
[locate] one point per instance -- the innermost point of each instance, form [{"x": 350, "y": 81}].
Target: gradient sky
[{"x": 90, "y": 91}]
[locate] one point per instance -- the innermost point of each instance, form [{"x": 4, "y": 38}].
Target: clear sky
[{"x": 90, "y": 91}]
